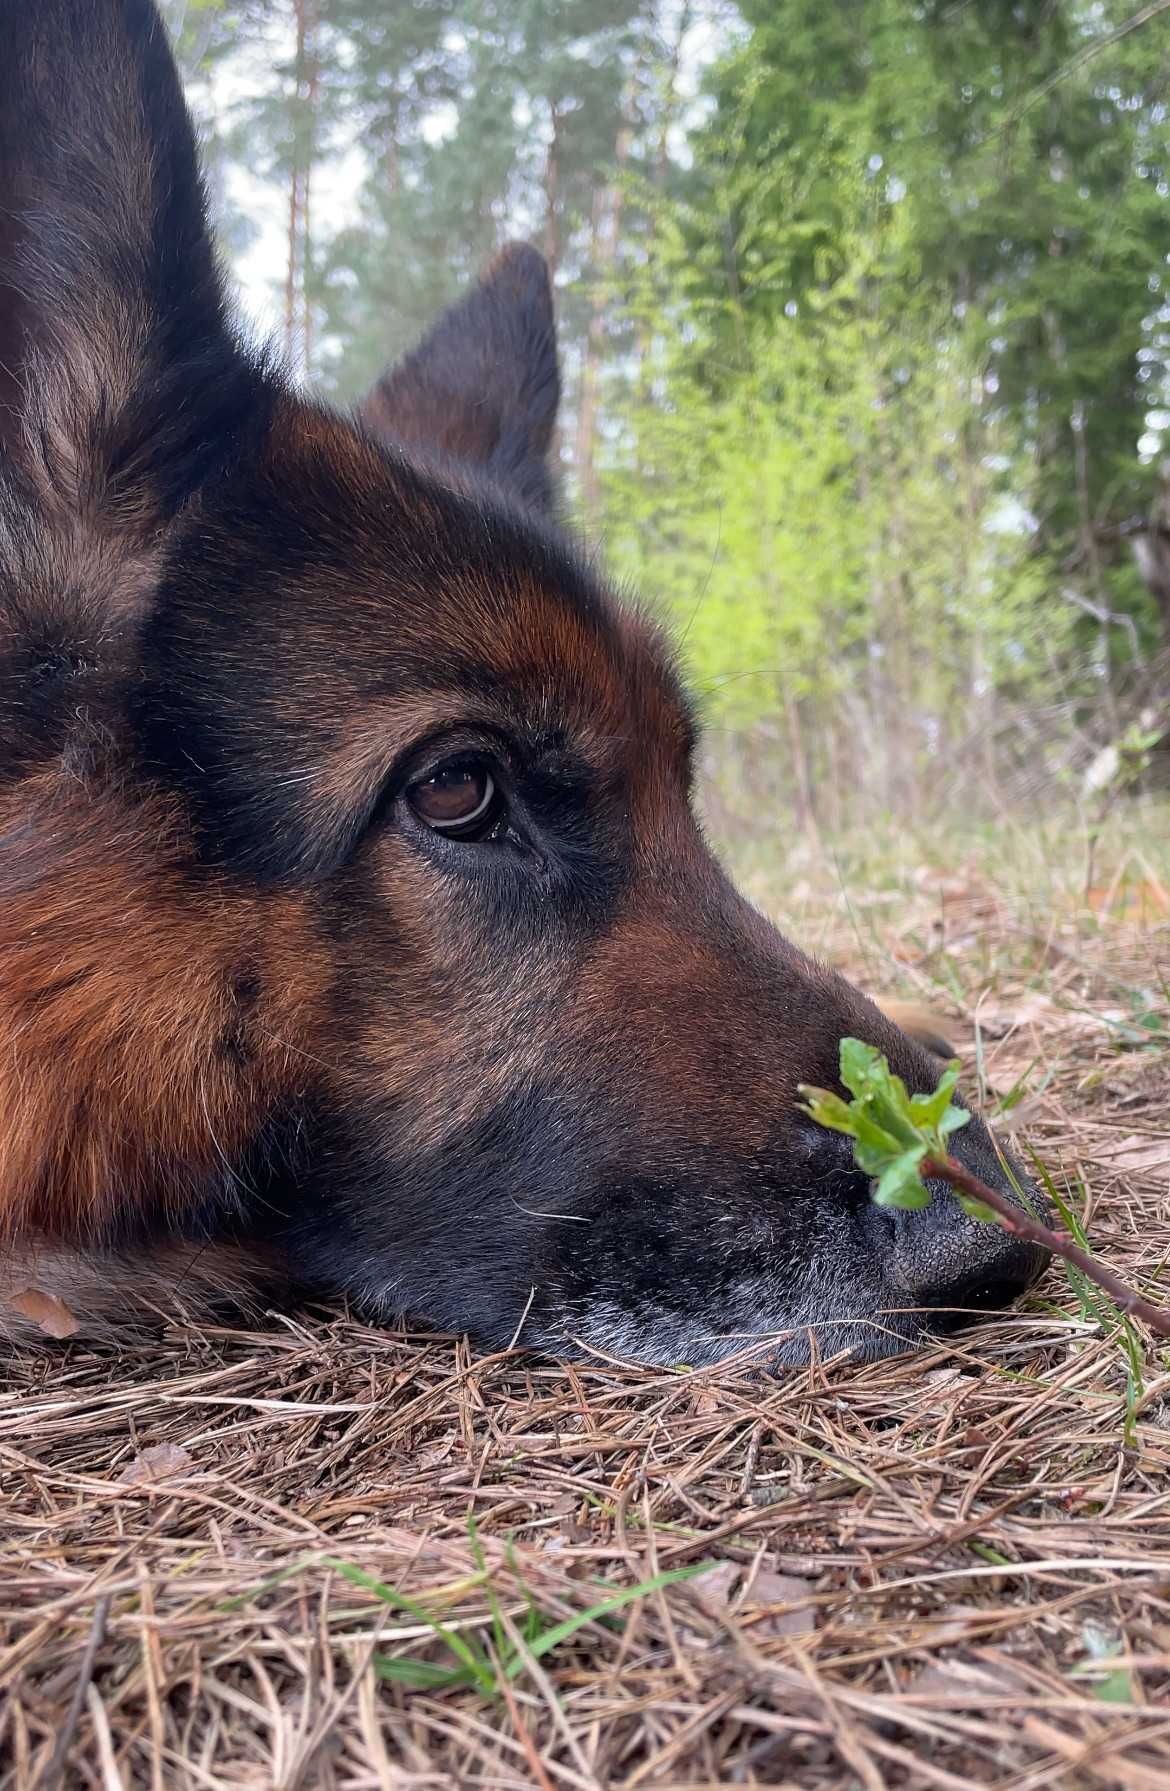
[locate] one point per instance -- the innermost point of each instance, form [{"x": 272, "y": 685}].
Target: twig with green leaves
[{"x": 900, "y": 1140}]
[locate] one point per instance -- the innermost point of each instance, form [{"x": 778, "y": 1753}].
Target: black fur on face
[{"x": 355, "y": 918}]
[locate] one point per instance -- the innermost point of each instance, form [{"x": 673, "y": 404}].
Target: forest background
[{"x": 865, "y": 332}]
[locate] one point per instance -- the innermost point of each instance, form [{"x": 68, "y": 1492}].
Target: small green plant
[
  {"x": 477, "y": 1665},
  {"x": 900, "y": 1140},
  {"x": 471, "y": 1662},
  {"x": 1146, "y": 1027},
  {"x": 1120, "y": 766},
  {"x": 1111, "y": 1684}
]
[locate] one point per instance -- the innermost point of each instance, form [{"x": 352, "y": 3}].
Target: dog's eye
[{"x": 459, "y": 800}]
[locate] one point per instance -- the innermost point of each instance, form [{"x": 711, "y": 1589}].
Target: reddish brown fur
[{"x": 131, "y": 1070}]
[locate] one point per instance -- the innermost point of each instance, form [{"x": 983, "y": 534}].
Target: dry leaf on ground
[
  {"x": 50, "y": 1314},
  {"x": 160, "y": 1462}
]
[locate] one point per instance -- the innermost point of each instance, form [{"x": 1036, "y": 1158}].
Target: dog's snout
[
  {"x": 936, "y": 1259},
  {"x": 948, "y": 1261}
]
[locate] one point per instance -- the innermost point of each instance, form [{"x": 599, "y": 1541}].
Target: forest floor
[{"x": 322, "y": 1555}]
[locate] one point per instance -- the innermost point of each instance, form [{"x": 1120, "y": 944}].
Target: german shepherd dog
[{"x": 356, "y": 931}]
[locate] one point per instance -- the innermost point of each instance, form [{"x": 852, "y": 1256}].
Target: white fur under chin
[
  {"x": 659, "y": 1337},
  {"x": 49, "y": 1292}
]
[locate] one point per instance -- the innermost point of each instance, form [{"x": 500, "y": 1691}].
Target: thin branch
[
  {"x": 1090, "y": 50},
  {"x": 1101, "y": 613},
  {"x": 53, "y": 1774}
]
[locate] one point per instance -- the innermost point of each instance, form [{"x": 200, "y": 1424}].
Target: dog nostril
[
  {"x": 946, "y": 1260},
  {"x": 937, "y": 1257},
  {"x": 977, "y": 1293}
]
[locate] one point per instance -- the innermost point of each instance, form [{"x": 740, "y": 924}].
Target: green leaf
[
  {"x": 560, "y": 1632},
  {"x": 900, "y": 1184},
  {"x": 476, "y": 1669},
  {"x": 875, "y": 1138},
  {"x": 882, "y": 1095},
  {"x": 991, "y": 1555},
  {"x": 1114, "y": 1686},
  {"x": 930, "y": 1110},
  {"x": 858, "y": 1061},
  {"x": 420, "y": 1675},
  {"x": 475, "y": 1665},
  {"x": 828, "y": 1109},
  {"x": 893, "y": 1131}
]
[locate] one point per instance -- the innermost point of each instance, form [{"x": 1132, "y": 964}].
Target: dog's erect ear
[
  {"x": 120, "y": 381},
  {"x": 481, "y": 390}
]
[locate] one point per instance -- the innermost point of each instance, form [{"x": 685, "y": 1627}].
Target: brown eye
[{"x": 459, "y": 800}]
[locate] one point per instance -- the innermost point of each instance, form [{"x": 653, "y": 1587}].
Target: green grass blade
[
  {"x": 459, "y": 1647},
  {"x": 560, "y": 1632},
  {"x": 421, "y": 1675}
]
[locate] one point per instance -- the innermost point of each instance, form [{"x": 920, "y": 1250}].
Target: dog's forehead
[
  {"x": 547, "y": 655},
  {"x": 429, "y": 584}
]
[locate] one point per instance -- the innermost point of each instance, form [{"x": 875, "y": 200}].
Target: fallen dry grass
[{"x": 946, "y": 1570}]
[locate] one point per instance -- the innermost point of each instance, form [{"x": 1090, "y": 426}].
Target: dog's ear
[
  {"x": 920, "y": 1023},
  {"x": 120, "y": 382},
  {"x": 482, "y": 388}
]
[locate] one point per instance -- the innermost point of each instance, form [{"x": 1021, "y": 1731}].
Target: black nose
[{"x": 944, "y": 1259}]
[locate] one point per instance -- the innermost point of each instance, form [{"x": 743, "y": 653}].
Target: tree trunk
[
  {"x": 801, "y": 779},
  {"x": 873, "y": 774},
  {"x": 1152, "y": 556},
  {"x": 666, "y": 118},
  {"x": 313, "y": 81},
  {"x": 670, "y": 95},
  {"x": 294, "y": 195},
  {"x": 552, "y": 172},
  {"x": 1092, "y": 559},
  {"x": 393, "y": 164},
  {"x": 800, "y": 782},
  {"x": 297, "y": 331},
  {"x": 607, "y": 214},
  {"x": 1151, "y": 551}
]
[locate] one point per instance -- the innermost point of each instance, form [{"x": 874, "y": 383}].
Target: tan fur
[{"x": 923, "y": 1024}]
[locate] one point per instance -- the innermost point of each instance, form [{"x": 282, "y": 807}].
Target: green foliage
[
  {"x": 897, "y": 1136},
  {"x": 475, "y": 1666},
  {"x": 1027, "y": 152},
  {"x": 904, "y": 331},
  {"x": 865, "y": 336},
  {"x": 1110, "y": 1684},
  {"x": 893, "y": 1132}
]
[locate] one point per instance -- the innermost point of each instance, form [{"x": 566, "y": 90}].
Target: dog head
[{"x": 353, "y": 900}]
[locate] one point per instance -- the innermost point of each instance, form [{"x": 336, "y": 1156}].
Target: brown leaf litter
[{"x": 943, "y": 1571}]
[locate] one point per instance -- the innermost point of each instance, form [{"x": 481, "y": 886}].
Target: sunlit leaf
[{"x": 900, "y": 1184}]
